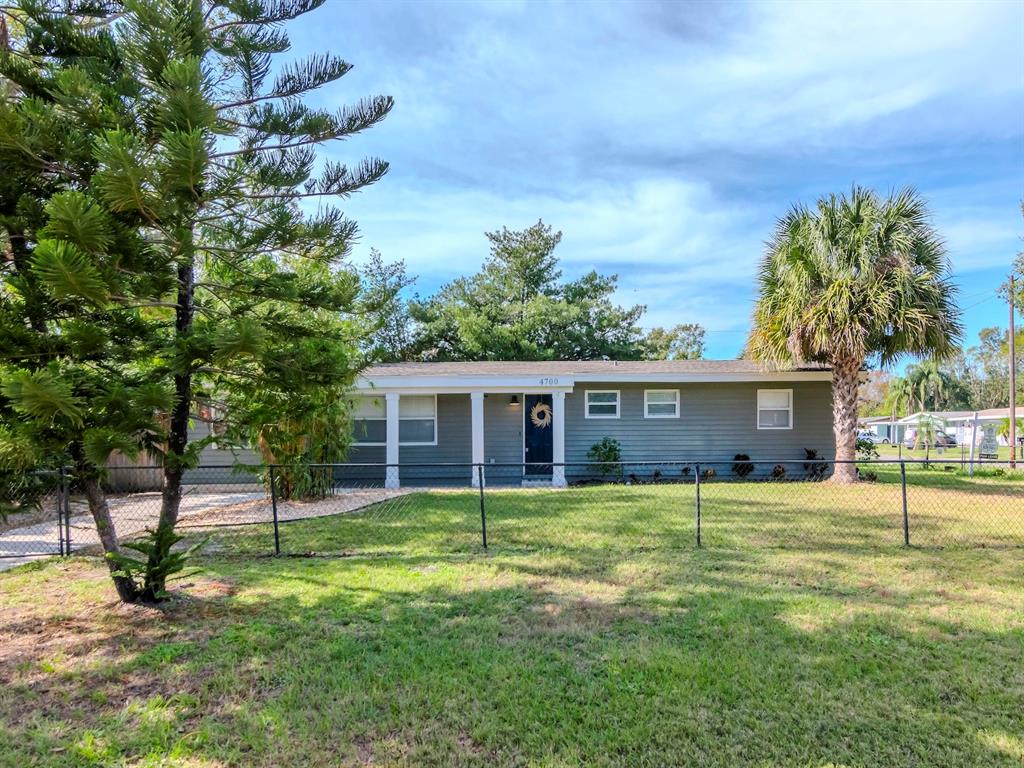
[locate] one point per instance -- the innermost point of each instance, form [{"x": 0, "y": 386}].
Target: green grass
[
  {"x": 592, "y": 632},
  {"x": 951, "y": 455}
]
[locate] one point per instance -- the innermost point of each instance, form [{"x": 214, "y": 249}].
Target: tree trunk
[
  {"x": 845, "y": 384},
  {"x": 108, "y": 537},
  {"x": 177, "y": 435}
]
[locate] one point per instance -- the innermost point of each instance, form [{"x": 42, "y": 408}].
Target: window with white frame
[
  {"x": 417, "y": 420},
  {"x": 369, "y": 420},
  {"x": 602, "y": 404},
  {"x": 775, "y": 409},
  {"x": 661, "y": 403}
]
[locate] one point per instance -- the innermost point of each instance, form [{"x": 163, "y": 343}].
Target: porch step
[{"x": 537, "y": 482}]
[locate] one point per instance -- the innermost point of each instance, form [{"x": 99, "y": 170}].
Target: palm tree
[
  {"x": 858, "y": 277},
  {"x": 929, "y": 382},
  {"x": 901, "y": 395}
]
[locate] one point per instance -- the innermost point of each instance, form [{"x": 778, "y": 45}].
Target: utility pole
[{"x": 1013, "y": 382}]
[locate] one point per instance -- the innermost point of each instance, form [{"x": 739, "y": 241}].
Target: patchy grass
[{"x": 591, "y": 633}]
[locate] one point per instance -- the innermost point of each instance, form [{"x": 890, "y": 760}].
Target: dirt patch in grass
[{"x": 84, "y": 661}]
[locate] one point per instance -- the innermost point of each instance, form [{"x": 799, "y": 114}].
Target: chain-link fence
[{"x": 405, "y": 508}]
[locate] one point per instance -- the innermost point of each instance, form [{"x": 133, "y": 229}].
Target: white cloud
[{"x": 664, "y": 138}]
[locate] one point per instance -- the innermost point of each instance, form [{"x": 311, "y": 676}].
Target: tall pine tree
[
  {"x": 77, "y": 327},
  {"x": 203, "y": 167},
  {"x": 517, "y": 308}
]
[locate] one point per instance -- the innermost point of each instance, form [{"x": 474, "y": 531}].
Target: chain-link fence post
[
  {"x": 906, "y": 517},
  {"x": 65, "y": 501},
  {"x": 696, "y": 485},
  {"x": 483, "y": 512},
  {"x": 60, "y": 513},
  {"x": 273, "y": 507}
]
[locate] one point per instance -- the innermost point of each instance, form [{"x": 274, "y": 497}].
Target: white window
[
  {"x": 775, "y": 409},
  {"x": 417, "y": 420},
  {"x": 602, "y": 404},
  {"x": 661, "y": 403},
  {"x": 369, "y": 420}
]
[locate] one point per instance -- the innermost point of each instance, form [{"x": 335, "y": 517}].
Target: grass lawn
[
  {"x": 950, "y": 455},
  {"x": 591, "y": 633}
]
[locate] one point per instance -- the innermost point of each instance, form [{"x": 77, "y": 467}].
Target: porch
[{"x": 514, "y": 433}]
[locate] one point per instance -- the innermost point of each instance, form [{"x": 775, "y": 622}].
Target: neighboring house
[
  {"x": 216, "y": 463},
  {"x": 965, "y": 426},
  {"x": 535, "y": 421},
  {"x": 887, "y": 428}
]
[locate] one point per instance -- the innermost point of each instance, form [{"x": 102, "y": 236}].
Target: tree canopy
[
  {"x": 684, "y": 341},
  {"x": 518, "y": 308}
]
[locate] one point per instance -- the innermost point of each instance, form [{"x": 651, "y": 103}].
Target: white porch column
[
  {"x": 558, "y": 439},
  {"x": 476, "y": 400},
  {"x": 391, "y": 451}
]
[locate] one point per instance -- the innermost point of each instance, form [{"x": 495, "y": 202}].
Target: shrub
[
  {"x": 606, "y": 455},
  {"x": 866, "y": 450},
  {"x": 742, "y": 467},
  {"x": 814, "y": 469},
  {"x": 778, "y": 472}
]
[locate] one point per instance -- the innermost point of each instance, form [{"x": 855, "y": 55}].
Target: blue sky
[{"x": 664, "y": 139}]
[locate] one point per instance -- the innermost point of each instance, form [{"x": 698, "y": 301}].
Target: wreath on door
[{"x": 540, "y": 415}]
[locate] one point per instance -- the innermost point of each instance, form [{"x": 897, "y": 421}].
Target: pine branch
[
  {"x": 254, "y": 12},
  {"x": 299, "y": 78}
]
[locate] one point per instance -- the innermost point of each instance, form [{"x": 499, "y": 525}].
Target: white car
[{"x": 867, "y": 434}]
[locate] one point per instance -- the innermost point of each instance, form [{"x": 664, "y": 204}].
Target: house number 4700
[{"x": 548, "y": 382}]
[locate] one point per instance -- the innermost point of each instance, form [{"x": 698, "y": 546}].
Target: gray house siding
[
  {"x": 215, "y": 463},
  {"x": 454, "y": 445},
  {"x": 716, "y": 422}
]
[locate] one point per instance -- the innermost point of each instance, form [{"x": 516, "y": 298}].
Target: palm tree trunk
[{"x": 845, "y": 382}]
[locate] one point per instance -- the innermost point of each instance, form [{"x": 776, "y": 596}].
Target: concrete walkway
[
  {"x": 132, "y": 514},
  {"x": 200, "y": 508}
]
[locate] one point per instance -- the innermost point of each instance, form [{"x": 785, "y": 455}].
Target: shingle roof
[{"x": 569, "y": 367}]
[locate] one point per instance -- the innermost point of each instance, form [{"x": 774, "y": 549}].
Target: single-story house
[
  {"x": 887, "y": 428},
  {"x": 536, "y": 421},
  {"x": 969, "y": 425}
]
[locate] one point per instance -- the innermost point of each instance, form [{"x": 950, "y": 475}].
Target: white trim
[
  {"x": 758, "y": 409},
  {"x": 694, "y": 378},
  {"x": 522, "y": 430},
  {"x": 543, "y": 385},
  {"x": 586, "y": 403},
  {"x": 391, "y": 450},
  {"x": 648, "y": 415},
  {"x": 558, "y": 439},
  {"x": 476, "y": 413}
]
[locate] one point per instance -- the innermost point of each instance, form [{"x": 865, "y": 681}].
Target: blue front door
[{"x": 537, "y": 440}]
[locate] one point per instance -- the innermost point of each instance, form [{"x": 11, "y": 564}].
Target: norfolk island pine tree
[{"x": 214, "y": 165}]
